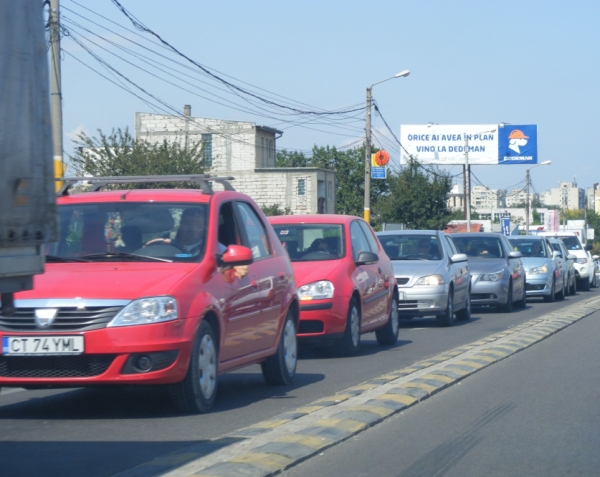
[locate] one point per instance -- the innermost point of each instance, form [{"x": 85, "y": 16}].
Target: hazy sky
[{"x": 470, "y": 62}]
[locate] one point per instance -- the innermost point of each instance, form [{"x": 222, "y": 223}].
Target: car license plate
[
  {"x": 401, "y": 296},
  {"x": 42, "y": 345}
]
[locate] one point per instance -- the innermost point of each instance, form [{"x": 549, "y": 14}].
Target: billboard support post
[{"x": 468, "y": 182}]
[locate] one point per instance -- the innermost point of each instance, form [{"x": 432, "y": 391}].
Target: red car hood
[
  {"x": 107, "y": 280},
  {"x": 308, "y": 272}
]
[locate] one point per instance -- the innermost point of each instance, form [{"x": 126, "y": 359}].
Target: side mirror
[
  {"x": 514, "y": 255},
  {"x": 366, "y": 258},
  {"x": 571, "y": 257},
  {"x": 588, "y": 247},
  {"x": 556, "y": 254},
  {"x": 235, "y": 255},
  {"x": 459, "y": 257}
]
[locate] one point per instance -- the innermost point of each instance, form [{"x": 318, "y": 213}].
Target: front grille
[
  {"x": 407, "y": 304},
  {"x": 55, "y": 366},
  {"x": 402, "y": 280},
  {"x": 530, "y": 287},
  {"x": 310, "y": 326},
  {"x": 67, "y": 319}
]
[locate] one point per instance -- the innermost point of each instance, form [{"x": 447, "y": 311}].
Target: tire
[
  {"x": 446, "y": 318},
  {"x": 522, "y": 303},
  {"x": 508, "y": 306},
  {"x": 198, "y": 390},
  {"x": 349, "y": 344},
  {"x": 388, "y": 335},
  {"x": 594, "y": 281},
  {"x": 465, "y": 313},
  {"x": 562, "y": 293},
  {"x": 585, "y": 284},
  {"x": 574, "y": 287},
  {"x": 280, "y": 368},
  {"x": 552, "y": 297}
]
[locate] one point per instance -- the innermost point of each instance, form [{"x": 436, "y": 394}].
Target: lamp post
[
  {"x": 527, "y": 181},
  {"x": 367, "y": 207}
]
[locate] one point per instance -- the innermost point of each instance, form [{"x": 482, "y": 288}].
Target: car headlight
[
  {"x": 147, "y": 310},
  {"x": 492, "y": 277},
  {"x": 581, "y": 260},
  {"x": 430, "y": 280},
  {"x": 316, "y": 290},
  {"x": 537, "y": 270}
]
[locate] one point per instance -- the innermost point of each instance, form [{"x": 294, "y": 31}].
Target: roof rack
[{"x": 203, "y": 180}]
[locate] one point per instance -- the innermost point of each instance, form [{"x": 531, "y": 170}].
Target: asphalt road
[
  {"x": 103, "y": 432},
  {"x": 535, "y": 414}
]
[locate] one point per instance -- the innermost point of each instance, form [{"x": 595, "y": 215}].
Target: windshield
[
  {"x": 530, "y": 248},
  {"x": 411, "y": 247},
  {"x": 571, "y": 242},
  {"x": 308, "y": 242},
  {"x": 130, "y": 232},
  {"x": 481, "y": 247}
]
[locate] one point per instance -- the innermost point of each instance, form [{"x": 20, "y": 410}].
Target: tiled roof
[{"x": 459, "y": 228}]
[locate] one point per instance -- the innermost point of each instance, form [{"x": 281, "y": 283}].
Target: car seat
[{"x": 132, "y": 238}]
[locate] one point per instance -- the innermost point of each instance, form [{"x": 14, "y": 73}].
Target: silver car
[
  {"x": 432, "y": 277},
  {"x": 568, "y": 261},
  {"x": 545, "y": 271},
  {"x": 497, "y": 274}
]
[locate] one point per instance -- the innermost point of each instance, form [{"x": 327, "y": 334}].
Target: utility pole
[
  {"x": 367, "y": 206},
  {"x": 468, "y": 184},
  {"x": 527, "y": 203},
  {"x": 56, "y": 89}
]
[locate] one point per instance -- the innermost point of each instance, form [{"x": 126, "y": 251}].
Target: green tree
[
  {"x": 417, "y": 197},
  {"x": 120, "y": 154},
  {"x": 275, "y": 209},
  {"x": 350, "y": 178}
]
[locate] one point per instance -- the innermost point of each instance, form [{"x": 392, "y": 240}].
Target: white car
[{"x": 584, "y": 265}]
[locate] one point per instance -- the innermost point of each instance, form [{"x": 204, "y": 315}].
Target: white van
[{"x": 584, "y": 265}]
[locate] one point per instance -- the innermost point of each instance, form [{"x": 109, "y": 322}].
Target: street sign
[
  {"x": 378, "y": 172},
  {"x": 505, "y": 225}
]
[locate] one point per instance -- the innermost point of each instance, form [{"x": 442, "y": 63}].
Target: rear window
[
  {"x": 571, "y": 242},
  {"x": 411, "y": 247},
  {"x": 132, "y": 231},
  {"x": 480, "y": 247},
  {"x": 308, "y": 242}
]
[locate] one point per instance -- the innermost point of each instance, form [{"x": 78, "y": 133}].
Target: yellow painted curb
[
  {"x": 314, "y": 442},
  {"x": 377, "y": 410},
  {"x": 263, "y": 460},
  {"x": 348, "y": 425},
  {"x": 400, "y": 398}
]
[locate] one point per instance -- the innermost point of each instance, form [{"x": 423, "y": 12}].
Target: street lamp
[
  {"x": 527, "y": 181},
  {"x": 367, "y": 211}
]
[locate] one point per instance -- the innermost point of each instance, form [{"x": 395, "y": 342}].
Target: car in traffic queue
[
  {"x": 545, "y": 273},
  {"x": 584, "y": 266},
  {"x": 596, "y": 259},
  {"x": 432, "y": 276},
  {"x": 568, "y": 264},
  {"x": 155, "y": 286},
  {"x": 497, "y": 273},
  {"x": 345, "y": 280}
]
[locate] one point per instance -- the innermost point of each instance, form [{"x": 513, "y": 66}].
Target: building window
[
  {"x": 301, "y": 186},
  {"x": 207, "y": 149}
]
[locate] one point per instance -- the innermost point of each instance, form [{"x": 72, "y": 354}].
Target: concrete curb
[{"x": 269, "y": 447}]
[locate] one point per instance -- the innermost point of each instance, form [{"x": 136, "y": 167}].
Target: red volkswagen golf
[
  {"x": 345, "y": 280},
  {"x": 155, "y": 287}
]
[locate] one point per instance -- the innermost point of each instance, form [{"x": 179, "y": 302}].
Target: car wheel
[
  {"x": 280, "y": 368},
  {"x": 446, "y": 318},
  {"x": 388, "y": 335},
  {"x": 574, "y": 286},
  {"x": 198, "y": 390},
  {"x": 349, "y": 344},
  {"x": 585, "y": 284},
  {"x": 522, "y": 303},
  {"x": 465, "y": 313},
  {"x": 563, "y": 292},
  {"x": 508, "y": 306},
  {"x": 552, "y": 297},
  {"x": 594, "y": 281}
]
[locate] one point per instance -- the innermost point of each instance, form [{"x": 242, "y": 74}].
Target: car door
[
  {"x": 458, "y": 271},
  {"x": 267, "y": 273},
  {"x": 516, "y": 270},
  {"x": 364, "y": 276}
]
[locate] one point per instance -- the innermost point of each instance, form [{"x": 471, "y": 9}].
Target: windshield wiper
[
  {"x": 56, "y": 259},
  {"x": 111, "y": 255}
]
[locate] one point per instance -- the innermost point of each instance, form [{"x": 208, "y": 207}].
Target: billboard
[{"x": 487, "y": 143}]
